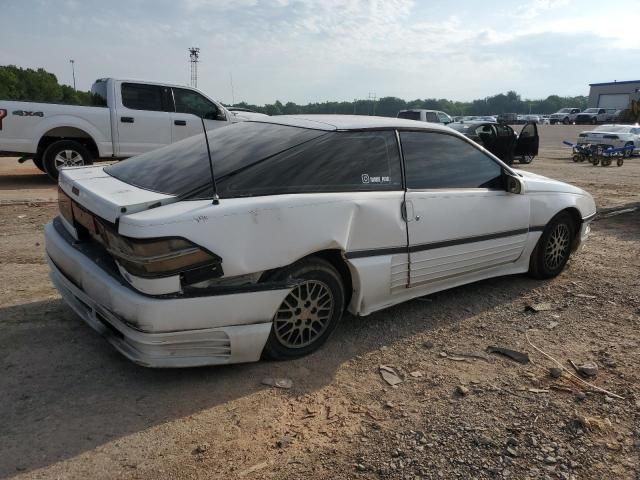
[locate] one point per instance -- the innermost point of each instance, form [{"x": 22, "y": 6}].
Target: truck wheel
[
  {"x": 629, "y": 152},
  {"x": 594, "y": 120},
  {"x": 37, "y": 161},
  {"x": 566, "y": 121},
  {"x": 65, "y": 153}
]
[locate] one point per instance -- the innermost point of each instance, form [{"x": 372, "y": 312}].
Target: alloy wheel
[
  {"x": 557, "y": 248},
  {"x": 304, "y": 314},
  {"x": 68, "y": 158}
]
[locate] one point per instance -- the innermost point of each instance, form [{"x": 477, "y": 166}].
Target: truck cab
[
  {"x": 422, "y": 115},
  {"x": 126, "y": 118}
]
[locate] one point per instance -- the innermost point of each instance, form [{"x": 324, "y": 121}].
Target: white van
[{"x": 431, "y": 116}]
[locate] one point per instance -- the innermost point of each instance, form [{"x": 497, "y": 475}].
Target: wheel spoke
[{"x": 304, "y": 314}]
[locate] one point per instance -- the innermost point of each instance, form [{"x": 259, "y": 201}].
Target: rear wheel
[
  {"x": 527, "y": 158},
  {"x": 37, "y": 161},
  {"x": 620, "y": 162},
  {"x": 566, "y": 120},
  {"x": 554, "y": 247},
  {"x": 309, "y": 313},
  {"x": 65, "y": 153},
  {"x": 594, "y": 120}
]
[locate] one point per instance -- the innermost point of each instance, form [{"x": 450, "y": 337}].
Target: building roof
[
  {"x": 348, "y": 122},
  {"x": 613, "y": 83}
]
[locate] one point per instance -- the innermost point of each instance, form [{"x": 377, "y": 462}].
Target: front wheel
[
  {"x": 594, "y": 120},
  {"x": 629, "y": 152},
  {"x": 565, "y": 121},
  {"x": 554, "y": 247},
  {"x": 309, "y": 313},
  {"x": 65, "y": 153},
  {"x": 527, "y": 159}
]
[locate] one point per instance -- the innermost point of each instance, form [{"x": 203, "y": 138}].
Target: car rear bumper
[{"x": 162, "y": 331}]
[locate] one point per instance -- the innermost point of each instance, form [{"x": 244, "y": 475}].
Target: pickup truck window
[
  {"x": 138, "y": 96},
  {"x": 188, "y": 101},
  {"x": 99, "y": 94}
]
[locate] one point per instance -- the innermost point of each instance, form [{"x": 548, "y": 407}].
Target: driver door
[
  {"x": 528, "y": 141},
  {"x": 190, "y": 107},
  {"x": 461, "y": 222}
]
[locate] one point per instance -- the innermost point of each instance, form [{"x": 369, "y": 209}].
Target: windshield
[
  {"x": 591, "y": 110},
  {"x": 182, "y": 168},
  {"x": 409, "y": 115},
  {"x": 564, "y": 110}
]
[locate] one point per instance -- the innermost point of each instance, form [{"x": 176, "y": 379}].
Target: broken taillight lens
[{"x": 161, "y": 257}]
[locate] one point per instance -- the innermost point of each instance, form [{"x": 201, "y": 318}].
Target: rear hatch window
[{"x": 182, "y": 168}]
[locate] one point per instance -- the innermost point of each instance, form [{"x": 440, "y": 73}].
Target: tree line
[
  {"x": 41, "y": 86},
  {"x": 38, "y": 85}
]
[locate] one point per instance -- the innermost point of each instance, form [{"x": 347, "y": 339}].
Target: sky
[{"x": 311, "y": 50}]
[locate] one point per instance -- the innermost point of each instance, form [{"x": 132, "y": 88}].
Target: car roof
[{"x": 349, "y": 122}]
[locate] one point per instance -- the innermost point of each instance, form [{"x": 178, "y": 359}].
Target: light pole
[{"x": 73, "y": 72}]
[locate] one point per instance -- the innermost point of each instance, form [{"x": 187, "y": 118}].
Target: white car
[
  {"x": 308, "y": 216},
  {"x": 613, "y": 136}
]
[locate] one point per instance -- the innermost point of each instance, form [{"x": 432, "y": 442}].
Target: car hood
[{"x": 539, "y": 183}]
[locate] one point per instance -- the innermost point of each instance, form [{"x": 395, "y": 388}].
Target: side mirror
[{"x": 514, "y": 184}]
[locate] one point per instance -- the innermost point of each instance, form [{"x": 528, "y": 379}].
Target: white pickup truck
[{"x": 128, "y": 118}]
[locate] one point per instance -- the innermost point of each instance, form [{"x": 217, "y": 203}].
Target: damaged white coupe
[{"x": 189, "y": 256}]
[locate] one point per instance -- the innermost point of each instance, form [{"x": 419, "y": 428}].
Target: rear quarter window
[{"x": 335, "y": 162}]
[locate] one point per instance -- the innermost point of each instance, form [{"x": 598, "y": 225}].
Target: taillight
[
  {"x": 64, "y": 205},
  {"x": 162, "y": 256}
]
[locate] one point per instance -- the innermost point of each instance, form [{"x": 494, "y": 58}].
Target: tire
[
  {"x": 606, "y": 162},
  {"x": 553, "y": 249},
  {"x": 37, "y": 161},
  {"x": 628, "y": 153},
  {"x": 594, "y": 121},
  {"x": 620, "y": 162},
  {"x": 65, "y": 153},
  {"x": 565, "y": 121},
  {"x": 292, "y": 335},
  {"x": 527, "y": 159}
]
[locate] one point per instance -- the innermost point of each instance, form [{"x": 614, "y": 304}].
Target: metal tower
[{"x": 194, "y": 55}]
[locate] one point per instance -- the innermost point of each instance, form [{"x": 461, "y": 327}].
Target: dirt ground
[{"x": 71, "y": 407}]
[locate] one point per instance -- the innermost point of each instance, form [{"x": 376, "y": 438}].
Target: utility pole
[
  {"x": 73, "y": 72},
  {"x": 233, "y": 96},
  {"x": 194, "y": 58},
  {"x": 373, "y": 98}
]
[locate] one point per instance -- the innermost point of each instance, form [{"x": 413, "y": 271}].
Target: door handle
[
  {"x": 126, "y": 119},
  {"x": 180, "y": 122}
]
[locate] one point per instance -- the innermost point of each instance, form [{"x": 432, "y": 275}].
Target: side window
[
  {"x": 504, "y": 130},
  {"x": 99, "y": 94},
  {"x": 188, "y": 101},
  {"x": 431, "y": 117},
  {"x": 138, "y": 96},
  {"x": 334, "y": 162},
  {"x": 443, "y": 118},
  {"x": 528, "y": 131},
  {"x": 438, "y": 160}
]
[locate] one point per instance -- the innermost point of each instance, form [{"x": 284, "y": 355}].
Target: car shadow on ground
[
  {"x": 64, "y": 390},
  {"x": 26, "y": 181}
]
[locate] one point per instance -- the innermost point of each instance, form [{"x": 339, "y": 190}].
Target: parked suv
[
  {"x": 431, "y": 116},
  {"x": 595, "y": 115},
  {"x": 564, "y": 115}
]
